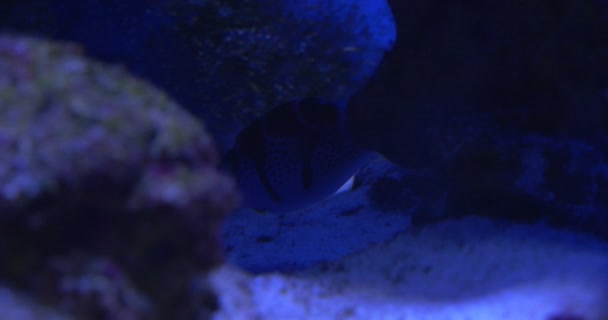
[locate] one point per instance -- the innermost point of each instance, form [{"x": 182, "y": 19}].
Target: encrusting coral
[{"x": 110, "y": 201}]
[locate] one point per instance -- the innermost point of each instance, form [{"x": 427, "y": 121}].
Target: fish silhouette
[{"x": 295, "y": 155}]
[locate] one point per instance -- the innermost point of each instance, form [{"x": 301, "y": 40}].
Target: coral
[
  {"x": 15, "y": 306},
  {"x": 96, "y": 287},
  {"x": 97, "y": 165}
]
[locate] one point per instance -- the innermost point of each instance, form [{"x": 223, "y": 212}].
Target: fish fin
[{"x": 347, "y": 186}]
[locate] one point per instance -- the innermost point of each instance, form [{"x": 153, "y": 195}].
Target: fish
[{"x": 295, "y": 155}]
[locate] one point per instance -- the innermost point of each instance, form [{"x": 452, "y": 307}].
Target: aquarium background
[{"x": 487, "y": 197}]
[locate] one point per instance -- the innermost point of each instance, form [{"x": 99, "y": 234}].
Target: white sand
[{"x": 471, "y": 269}]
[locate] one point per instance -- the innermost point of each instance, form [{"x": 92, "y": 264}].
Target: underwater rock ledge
[{"x": 109, "y": 195}]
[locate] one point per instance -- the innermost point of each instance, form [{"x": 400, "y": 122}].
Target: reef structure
[{"x": 109, "y": 196}]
